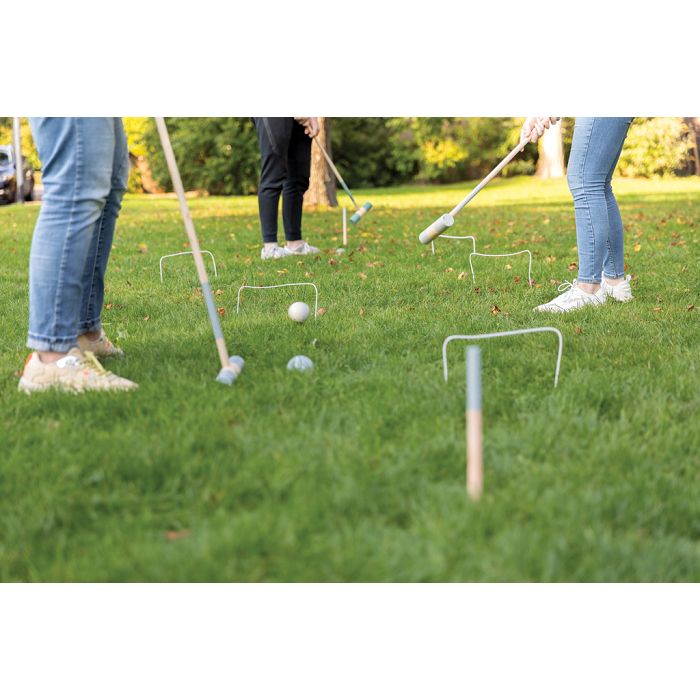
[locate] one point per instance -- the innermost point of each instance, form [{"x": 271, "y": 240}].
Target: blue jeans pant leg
[
  {"x": 101, "y": 243},
  {"x": 77, "y": 156},
  {"x": 595, "y": 150}
]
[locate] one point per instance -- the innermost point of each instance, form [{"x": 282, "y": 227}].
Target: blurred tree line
[{"x": 220, "y": 154}]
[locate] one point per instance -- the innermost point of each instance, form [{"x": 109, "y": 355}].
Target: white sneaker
[
  {"x": 75, "y": 372},
  {"x": 622, "y": 291},
  {"x": 572, "y": 298},
  {"x": 303, "y": 249},
  {"x": 274, "y": 253}
]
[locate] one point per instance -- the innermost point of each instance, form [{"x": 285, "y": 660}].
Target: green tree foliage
[
  {"x": 655, "y": 147},
  {"x": 374, "y": 151},
  {"x": 219, "y": 155}
]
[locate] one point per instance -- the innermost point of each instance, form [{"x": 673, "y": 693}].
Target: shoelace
[
  {"x": 91, "y": 361},
  {"x": 566, "y": 286}
]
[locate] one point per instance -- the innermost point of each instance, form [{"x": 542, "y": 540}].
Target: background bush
[
  {"x": 655, "y": 147},
  {"x": 220, "y": 154}
]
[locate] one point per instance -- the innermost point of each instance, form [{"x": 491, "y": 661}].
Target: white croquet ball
[
  {"x": 299, "y": 311},
  {"x": 300, "y": 363}
]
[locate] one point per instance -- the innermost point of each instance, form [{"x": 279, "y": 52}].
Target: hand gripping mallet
[
  {"x": 361, "y": 210},
  {"x": 440, "y": 225},
  {"x": 231, "y": 367}
]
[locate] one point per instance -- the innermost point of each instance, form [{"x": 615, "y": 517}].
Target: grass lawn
[{"x": 356, "y": 472}]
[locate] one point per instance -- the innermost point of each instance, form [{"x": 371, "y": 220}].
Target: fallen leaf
[
  {"x": 637, "y": 247},
  {"x": 332, "y": 261},
  {"x": 495, "y": 310},
  {"x": 222, "y": 311},
  {"x": 657, "y": 308},
  {"x": 477, "y": 290},
  {"x": 462, "y": 276},
  {"x": 321, "y": 311},
  {"x": 143, "y": 248},
  {"x": 509, "y": 266},
  {"x": 173, "y": 535},
  {"x": 572, "y": 266},
  {"x": 578, "y": 330},
  {"x": 362, "y": 312},
  {"x": 690, "y": 307},
  {"x": 145, "y": 318},
  {"x": 283, "y": 271},
  {"x": 308, "y": 275},
  {"x": 449, "y": 269},
  {"x": 218, "y": 292},
  {"x": 109, "y": 306},
  {"x": 551, "y": 258},
  {"x": 362, "y": 275},
  {"x": 517, "y": 279}
]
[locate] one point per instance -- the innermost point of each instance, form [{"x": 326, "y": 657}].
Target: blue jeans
[
  {"x": 595, "y": 150},
  {"x": 85, "y": 168}
]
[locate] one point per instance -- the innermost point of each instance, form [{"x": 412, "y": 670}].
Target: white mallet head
[
  {"x": 228, "y": 375},
  {"x": 300, "y": 363},
  {"x": 436, "y": 228},
  {"x": 299, "y": 311}
]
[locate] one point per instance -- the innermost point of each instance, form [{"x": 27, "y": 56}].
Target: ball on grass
[
  {"x": 299, "y": 311},
  {"x": 300, "y": 363}
]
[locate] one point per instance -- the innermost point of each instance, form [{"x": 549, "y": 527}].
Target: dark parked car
[{"x": 8, "y": 176}]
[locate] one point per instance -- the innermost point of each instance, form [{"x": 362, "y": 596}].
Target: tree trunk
[
  {"x": 550, "y": 162},
  {"x": 694, "y": 127},
  {"x": 321, "y": 190}
]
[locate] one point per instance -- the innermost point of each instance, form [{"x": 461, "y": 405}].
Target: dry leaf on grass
[
  {"x": 174, "y": 535},
  {"x": 321, "y": 311},
  {"x": 495, "y": 310}
]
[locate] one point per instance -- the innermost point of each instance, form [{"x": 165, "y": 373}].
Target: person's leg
[
  {"x": 614, "y": 260},
  {"x": 595, "y": 150},
  {"x": 273, "y": 138},
  {"x": 101, "y": 243},
  {"x": 296, "y": 183},
  {"x": 77, "y": 158}
]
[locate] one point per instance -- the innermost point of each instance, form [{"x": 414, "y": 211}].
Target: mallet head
[
  {"x": 436, "y": 228},
  {"x": 228, "y": 375},
  {"x": 360, "y": 212}
]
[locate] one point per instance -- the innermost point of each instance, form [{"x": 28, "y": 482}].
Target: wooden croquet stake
[{"x": 474, "y": 431}]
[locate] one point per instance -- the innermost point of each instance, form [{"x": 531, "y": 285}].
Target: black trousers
[{"x": 285, "y": 151}]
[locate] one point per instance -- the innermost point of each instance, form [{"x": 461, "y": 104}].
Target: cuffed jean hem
[
  {"x": 90, "y": 326},
  {"x": 43, "y": 344},
  {"x": 589, "y": 280}
]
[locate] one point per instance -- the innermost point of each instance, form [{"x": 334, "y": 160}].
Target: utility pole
[{"x": 19, "y": 165}]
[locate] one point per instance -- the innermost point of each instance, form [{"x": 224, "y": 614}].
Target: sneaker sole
[{"x": 27, "y": 387}]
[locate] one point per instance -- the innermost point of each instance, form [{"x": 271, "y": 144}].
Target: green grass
[{"x": 356, "y": 472}]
